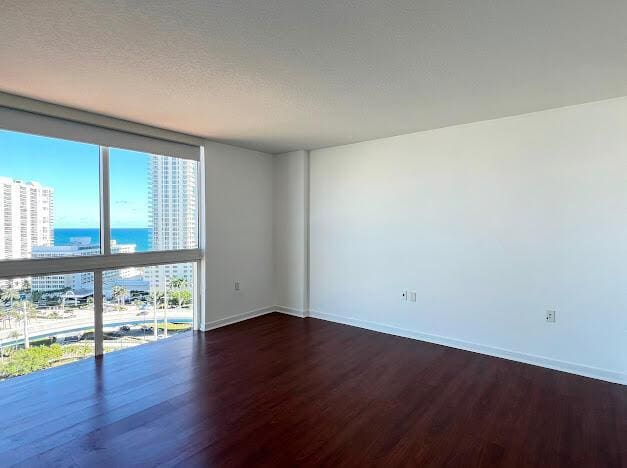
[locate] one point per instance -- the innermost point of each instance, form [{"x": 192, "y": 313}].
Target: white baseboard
[
  {"x": 542, "y": 361},
  {"x": 565, "y": 366},
  {"x": 236, "y": 318},
  {"x": 291, "y": 311}
]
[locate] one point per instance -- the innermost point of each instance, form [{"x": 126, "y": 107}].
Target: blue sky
[{"x": 72, "y": 170}]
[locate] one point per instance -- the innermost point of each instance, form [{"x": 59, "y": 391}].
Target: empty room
[{"x": 313, "y": 233}]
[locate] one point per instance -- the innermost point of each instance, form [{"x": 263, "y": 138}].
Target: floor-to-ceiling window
[{"x": 99, "y": 242}]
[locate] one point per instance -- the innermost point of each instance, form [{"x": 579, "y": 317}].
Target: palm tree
[
  {"x": 10, "y": 294},
  {"x": 119, "y": 292},
  {"x": 173, "y": 283},
  {"x": 25, "y": 310},
  {"x": 178, "y": 283}
]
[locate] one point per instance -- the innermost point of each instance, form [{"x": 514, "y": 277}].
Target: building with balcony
[
  {"x": 172, "y": 215},
  {"x": 26, "y": 217}
]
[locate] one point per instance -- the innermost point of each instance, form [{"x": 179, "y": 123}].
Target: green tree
[
  {"x": 180, "y": 294},
  {"x": 182, "y": 297},
  {"x": 36, "y": 295},
  {"x": 25, "y": 285},
  {"x": 174, "y": 284},
  {"x": 178, "y": 283},
  {"x": 10, "y": 295},
  {"x": 119, "y": 293}
]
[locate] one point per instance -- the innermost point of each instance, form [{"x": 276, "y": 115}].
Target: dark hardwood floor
[{"x": 283, "y": 391}]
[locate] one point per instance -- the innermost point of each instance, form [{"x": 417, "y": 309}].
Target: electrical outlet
[
  {"x": 404, "y": 296},
  {"x": 237, "y": 285},
  {"x": 550, "y": 316},
  {"x": 412, "y": 296}
]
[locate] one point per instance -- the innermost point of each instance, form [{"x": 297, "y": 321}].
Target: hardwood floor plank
[{"x": 282, "y": 391}]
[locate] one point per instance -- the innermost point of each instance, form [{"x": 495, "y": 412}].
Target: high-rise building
[
  {"x": 172, "y": 214},
  {"x": 26, "y": 217}
]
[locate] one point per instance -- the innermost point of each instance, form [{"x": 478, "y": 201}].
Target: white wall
[
  {"x": 491, "y": 224},
  {"x": 291, "y": 193},
  {"x": 238, "y": 241}
]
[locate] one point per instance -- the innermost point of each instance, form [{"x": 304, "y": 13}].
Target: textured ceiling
[{"x": 277, "y": 75}]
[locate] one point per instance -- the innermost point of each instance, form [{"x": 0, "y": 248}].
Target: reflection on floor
[{"x": 285, "y": 391}]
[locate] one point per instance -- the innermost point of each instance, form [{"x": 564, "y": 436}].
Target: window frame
[{"x": 97, "y": 264}]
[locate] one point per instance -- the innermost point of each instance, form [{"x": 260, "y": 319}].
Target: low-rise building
[{"x": 81, "y": 283}]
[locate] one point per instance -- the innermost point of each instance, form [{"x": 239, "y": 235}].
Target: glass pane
[
  {"x": 146, "y": 304},
  {"x": 45, "y": 321},
  {"x": 153, "y": 201},
  {"x": 49, "y": 197}
]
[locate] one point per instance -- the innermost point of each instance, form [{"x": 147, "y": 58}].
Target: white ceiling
[{"x": 277, "y": 75}]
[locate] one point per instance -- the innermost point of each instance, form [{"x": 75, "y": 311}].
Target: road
[{"x": 84, "y": 319}]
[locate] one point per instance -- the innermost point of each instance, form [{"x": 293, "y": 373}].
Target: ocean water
[{"x": 138, "y": 236}]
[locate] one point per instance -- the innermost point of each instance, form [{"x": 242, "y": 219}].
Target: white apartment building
[
  {"x": 26, "y": 217},
  {"x": 172, "y": 214},
  {"x": 82, "y": 283}
]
